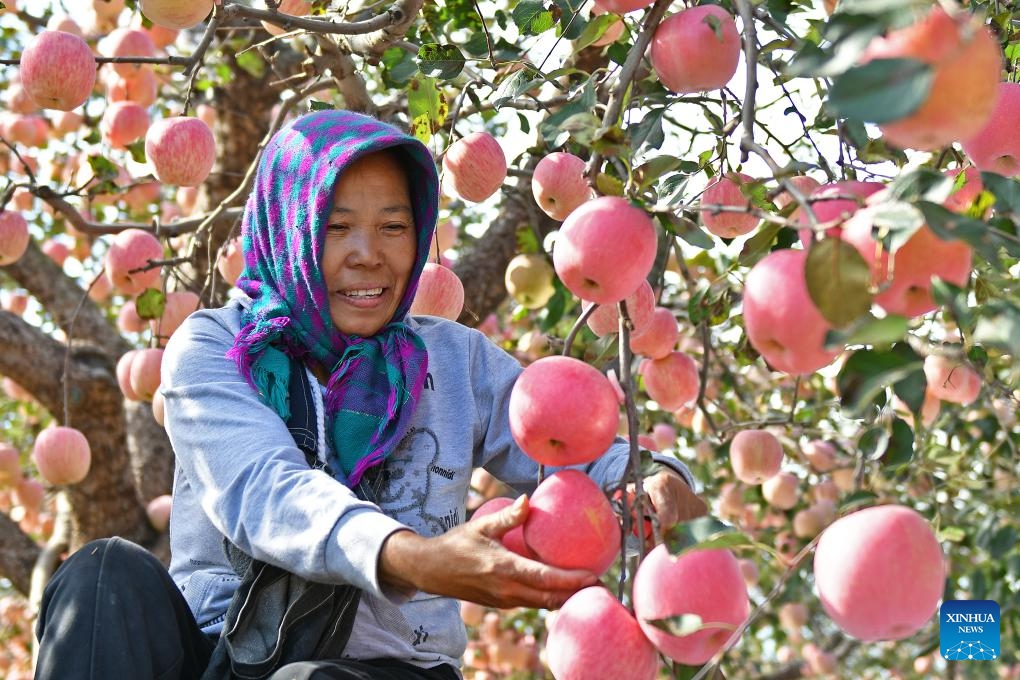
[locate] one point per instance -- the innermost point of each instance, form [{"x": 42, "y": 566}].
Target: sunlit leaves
[
  {"x": 532, "y": 17},
  {"x": 443, "y": 62},
  {"x": 428, "y": 107},
  {"x": 838, "y": 281}
]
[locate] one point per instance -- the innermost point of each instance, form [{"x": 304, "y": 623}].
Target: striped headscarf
[{"x": 375, "y": 381}]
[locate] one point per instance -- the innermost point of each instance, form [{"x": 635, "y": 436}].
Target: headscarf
[{"x": 375, "y": 381}]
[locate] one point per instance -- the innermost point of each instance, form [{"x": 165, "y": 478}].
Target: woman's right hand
[{"x": 470, "y": 563}]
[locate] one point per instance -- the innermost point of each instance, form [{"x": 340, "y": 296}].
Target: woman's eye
[{"x": 398, "y": 227}]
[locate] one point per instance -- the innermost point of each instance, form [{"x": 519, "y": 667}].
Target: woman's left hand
[{"x": 673, "y": 500}]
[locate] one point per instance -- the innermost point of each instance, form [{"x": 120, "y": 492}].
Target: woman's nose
[{"x": 364, "y": 247}]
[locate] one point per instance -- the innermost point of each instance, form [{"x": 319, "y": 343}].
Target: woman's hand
[
  {"x": 470, "y": 562},
  {"x": 673, "y": 500}
]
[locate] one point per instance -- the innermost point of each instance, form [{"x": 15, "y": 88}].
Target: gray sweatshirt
[{"x": 240, "y": 475}]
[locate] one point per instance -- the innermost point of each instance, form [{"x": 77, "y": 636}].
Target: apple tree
[{"x": 785, "y": 233}]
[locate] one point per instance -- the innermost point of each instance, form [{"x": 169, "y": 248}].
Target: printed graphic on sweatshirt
[{"x": 413, "y": 485}]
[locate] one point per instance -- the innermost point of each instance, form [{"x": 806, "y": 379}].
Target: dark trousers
[{"x": 112, "y": 612}]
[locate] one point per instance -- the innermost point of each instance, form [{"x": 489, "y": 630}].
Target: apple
[
  {"x": 590, "y": 623},
  {"x": 14, "y": 236},
  {"x": 512, "y": 540},
  {"x": 63, "y": 22},
  {"x": 124, "y": 374},
  {"x": 28, "y": 130},
  {"x": 658, "y": 337},
  {"x": 793, "y": 616},
  {"x": 905, "y": 277},
  {"x": 640, "y": 307},
  {"x": 672, "y": 381},
  {"x": 14, "y": 301},
  {"x": 230, "y": 264},
  {"x": 605, "y": 249},
  {"x": 144, "y": 375},
  {"x": 781, "y": 490},
  {"x": 159, "y": 408},
  {"x": 703, "y": 583},
  {"x": 15, "y": 391},
  {"x": 440, "y": 293},
  {"x": 529, "y": 280},
  {"x": 725, "y": 191},
  {"x": 132, "y": 250},
  {"x": 879, "y": 572},
  {"x": 58, "y": 251},
  {"x": 182, "y": 150},
  {"x": 612, "y": 32},
  {"x": 781, "y": 321},
  {"x": 475, "y": 166},
  {"x": 107, "y": 9},
  {"x": 30, "y": 494},
  {"x": 58, "y": 70},
  {"x": 158, "y": 512},
  {"x": 951, "y": 379},
  {"x": 128, "y": 319},
  {"x": 295, "y": 8},
  {"x": 571, "y": 523},
  {"x": 563, "y": 411},
  {"x": 820, "y": 454},
  {"x": 964, "y": 196},
  {"x": 559, "y": 184},
  {"x": 178, "y": 14},
  {"x": 756, "y": 455},
  {"x": 123, "y": 123},
  {"x": 990, "y": 148},
  {"x": 161, "y": 36},
  {"x": 126, "y": 42},
  {"x": 471, "y": 613},
  {"x": 833, "y": 204},
  {"x": 62, "y": 455},
  {"x": 66, "y": 122},
  {"x": 696, "y": 49},
  {"x": 141, "y": 88},
  {"x": 10, "y": 465},
  {"x": 819, "y": 661},
  {"x": 179, "y": 304},
  {"x": 664, "y": 435},
  {"x": 966, "y": 62},
  {"x": 621, "y": 6},
  {"x": 805, "y": 184}
]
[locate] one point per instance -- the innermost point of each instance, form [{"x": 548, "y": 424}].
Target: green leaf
[
  {"x": 150, "y": 304},
  {"x": 838, "y": 281},
  {"x": 868, "y": 372},
  {"x": 869, "y": 330},
  {"x": 999, "y": 327},
  {"x": 595, "y": 29},
  {"x": 648, "y": 173},
  {"x": 759, "y": 245},
  {"x": 847, "y": 36},
  {"x": 901, "y": 445},
  {"x": 950, "y": 226},
  {"x": 427, "y": 106},
  {"x": 895, "y": 222},
  {"x": 699, "y": 531},
  {"x": 882, "y": 90},
  {"x": 607, "y": 185},
  {"x": 924, "y": 184},
  {"x": 873, "y": 442},
  {"x": 444, "y": 62},
  {"x": 316, "y": 105},
  {"x": 681, "y": 625},
  {"x": 952, "y": 534},
  {"x": 687, "y": 230},
  {"x": 532, "y": 18},
  {"x": 1006, "y": 191}
]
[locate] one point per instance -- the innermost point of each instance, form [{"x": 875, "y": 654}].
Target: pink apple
[
  {"x": 571, "y": 523},
  {"x": 604, "y": 249},
  {"x": 141, "y": 88},
  {"x": 475, "y": 166},
  {"x": 819, "y": 662},
  {"x": 755, "y": 455},
  {"x": 14, "y": 301},
  {"x": 179, "y": 14},
  {"x": 14, "y": 236},
  {"x": 563, "y": 411},
  {"x": 905, "y": 277},
  {"x": 512, "y": 540},
  {"x": 805, "y": 184},
  {"x": 622, "y": 6},
  {"x": 231, "y": 261},
  {"x": 162, "y": 37},
  {"x": 297, "y": 8},
  {"x": 991, "y": 148},
  {"x": 440, "y": 293},
  {"x": 664, "y": 436},
  {"x": 124, "y": 374},
  {"x": 704, "y": 583},
  {"x": 128, "y": 261},
  {"x": 62, "y": 455},
  {"x": 781, "y": 321},
  {"x": 967, "y": 64},
  {"x": 62, "y": 22},
  {"x": 58, "y": 70},
  {"x": 951, "y": 379},
  {"x": 58, "y": 251},
  {"x": 182, "y": 150},
  {"x": 107, "y": 9},
  {"x": 30, "y": 494},
  {"x": 672, "y": 381},
  {"x": 128, "y": 319},
  {"x": 879, "y": 572},
  {"x": 725, "y": 191},
  {"x": 613, "y": 31},
  {"x": 640, "y": 307},
  {"x": 591, "y": 622},
  {"x": 144, "y": 373},
  {"x": 159, "y": 408},
  {"x": 833, "y": 204},
  {"x": 559, "y": 184},
  {"x": 10, "y": 465},
  {"x": 66, "y": 122},
  {"x": 179, "y": 304},
  {"x": 696, "y": 49},
  {"x": 123, "y": 123},
  {"x": 658, "y": 337},
  {"x": 966, "y": 193},
  {"x": 126, "y": 42},
  {"x": 781, "y": 490},
  {"x": 158, "y": 511},
  {"x": 821, "y": 455}
]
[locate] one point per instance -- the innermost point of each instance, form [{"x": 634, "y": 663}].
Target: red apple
[
  {"x": 879, "y": 572},
  {"x": 951, "y": 379},
  {"x": 664, "y": 435},
  {"x": 559, "y": 184},
  {"x": 62, "y": 455},
  {"x": 296, "y": 8},
  {"x": 231, "y": 261},
  {"x": 512, "y": 540},
  {"x": 604, "y": 249},
  {"x": 621, "y": 6},
  {"x": 123, "y": 123},
  {"x": 475, "y": 166},
  {"x": 141, "y": 88},
  {"x": 179, "y": 304},
  {"x": 58, "y": 70},
  {"x": 132, "y": 250},
  {"x": 991, "y": 148},
  {"x": 58, "y": 251},
  {"x": 591, "y": 622},
  {"x": 182, "y": 150},
  {"x": 703, "y": 583},
  {"x": 14, "y": 236},
  {"x": 126, "y": 42},
  {"x": 640, "y": 307},
  {"x": 755, "y": 455},
  {"x": 179, "y": 14},
  {"x": 963, "y": 197},
  {"x": 563, "y": 411},
  {"x": 614, "y": 30},
  {"x": 658, "y": 337},
  {"x": 128, "y": 319},
  {"x": 672, "y": 381},
  {"x": 571, "y": 523},
  {"x": 803, "y": 183},
  {"x": 833, "y": 204},
  {"x": 782, "y": 322},
  {"x": 124, "y": 374},
  {"x": 14, "y": 301},
  {"x": 967, "y": 64},
  {"x": 696, "y": 49},
  {"x": 781, "y": 490},
  {"x": 725, "y": 191},
  {"x": 30, "y": 494},
  {"x": 822, "y": 455},
  {"x": 144, "y": 373},
  {"x": 440, "y": 293}
]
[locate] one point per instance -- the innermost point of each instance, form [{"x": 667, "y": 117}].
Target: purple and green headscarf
[{"x": 375, "y": 381}]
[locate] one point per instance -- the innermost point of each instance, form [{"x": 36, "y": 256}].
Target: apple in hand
[{"x": 512, "y": 540}]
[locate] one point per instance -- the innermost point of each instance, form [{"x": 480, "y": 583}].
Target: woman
[{"x": 336, "y": 233}]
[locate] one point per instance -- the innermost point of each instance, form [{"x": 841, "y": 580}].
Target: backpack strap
[{"x": 303, "y": 422}]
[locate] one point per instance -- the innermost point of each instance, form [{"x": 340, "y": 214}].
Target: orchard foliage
[{"x": 835, "y": 261}]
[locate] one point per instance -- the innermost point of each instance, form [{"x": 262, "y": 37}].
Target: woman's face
[{"x": 371, "y": 245}]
